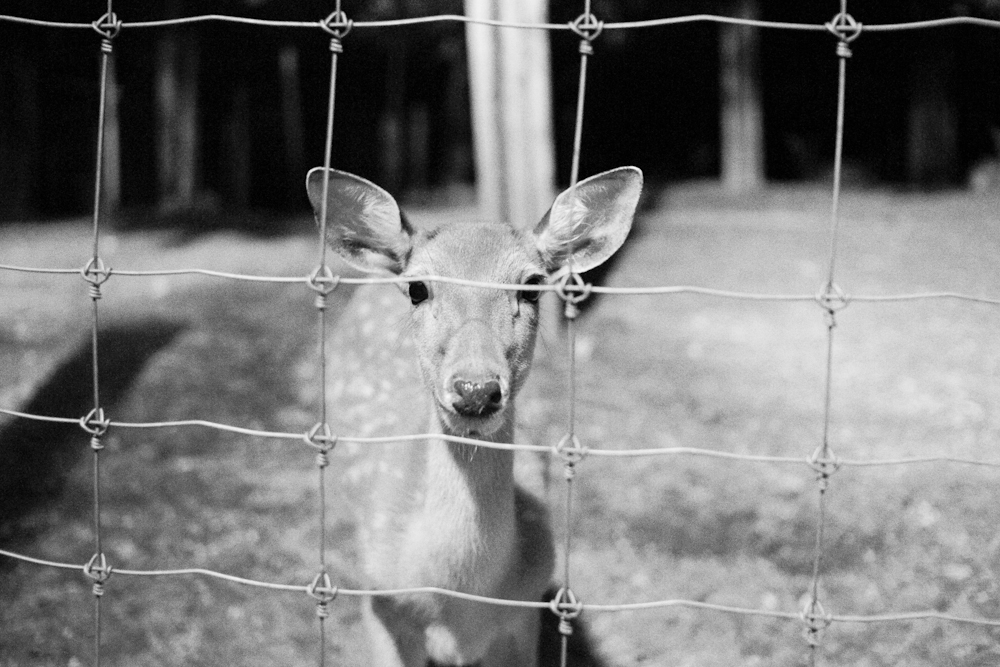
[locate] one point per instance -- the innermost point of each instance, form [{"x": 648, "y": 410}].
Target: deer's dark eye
[
  {"x": 532, "y": 295},
  {"x": 418, "y": 292}
]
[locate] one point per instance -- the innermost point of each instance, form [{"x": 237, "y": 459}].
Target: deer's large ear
[
  {"x": 590, "y": 221},
  {"x": 364, "y": 225}
]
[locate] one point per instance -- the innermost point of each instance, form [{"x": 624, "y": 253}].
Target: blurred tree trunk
[
  {"x": 418, "y": 124},
  {"x": 177, "y": 119},
  {"x": 510, "y": 79},
  {"x": 932, "y": 119},
  {"x": 291, "y": 112},
  {"x": 111, "y": 176},
  {"x": 742, "y": 117},
  {"x": 20, "y": 146},
  {"x": 236, "y": 149},
  {"x": 458, "y": 167},
  {"x": 393, "y": 146}
]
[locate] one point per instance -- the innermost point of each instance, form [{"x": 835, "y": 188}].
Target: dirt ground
[{"x": 910, "y": 378}]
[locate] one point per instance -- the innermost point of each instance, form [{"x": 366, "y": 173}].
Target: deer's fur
[{"x": 444, "y": 514}]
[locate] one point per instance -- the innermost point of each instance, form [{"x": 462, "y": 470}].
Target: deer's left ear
[{"x": 589, "y": 222}]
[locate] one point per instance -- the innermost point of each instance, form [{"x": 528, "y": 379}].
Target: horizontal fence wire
[
  {"x": 599, "y": 452},
  {"x": 649, "y": 290},
  {"x": 950, "y": 21},
  {"x": 901, "y": 617},
  {"x": 823, "y": 460}
]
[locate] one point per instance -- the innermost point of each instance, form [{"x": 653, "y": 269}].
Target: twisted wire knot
[
  {"x": 816, "y": 619},
  {"x": 95, "y": 423},
  {"x": 825, "y": 462},
  {"x": 846, "y": 30},
  {"x": 832, "y": 299},
  {"x": 571, "y": 452},
  {"x": 321, "y": 438},
  {"x": 338, "y": 25},
  {"x": 323, "y": 282},
  {"x": 587, "y": 27},
  {"x": 572, "y": 294},
  {"x": 566, "y": 607},
  {"x": 107, "y": 27},
  {"x": 96, "y": 274},
  {"x": 98, "y": 570},
  {"x": 324, "y": 592}
]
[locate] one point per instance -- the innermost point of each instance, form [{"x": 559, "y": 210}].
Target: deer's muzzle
[{"x": 475, "y": 399}]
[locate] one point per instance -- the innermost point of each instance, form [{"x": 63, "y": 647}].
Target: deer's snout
[{"x": 477, "y": 399}]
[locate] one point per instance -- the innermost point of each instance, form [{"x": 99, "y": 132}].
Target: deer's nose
[{"x": 475, "y": 399}]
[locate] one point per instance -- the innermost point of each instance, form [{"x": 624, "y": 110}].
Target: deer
[{"x": 442, "y": 513}]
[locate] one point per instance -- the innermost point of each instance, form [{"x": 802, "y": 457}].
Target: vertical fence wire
[
  {"x": 584, "y": 22},
  {"x": 565, "y": 604},
  {"x": 323, "y": 282},
  {"x": 832, "y": 299},
  {"x": 95, "y": 274},
  {"x": 841, "y": 23}
]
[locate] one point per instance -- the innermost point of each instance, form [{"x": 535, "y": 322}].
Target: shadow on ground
[{"x": 38, "y": 455}]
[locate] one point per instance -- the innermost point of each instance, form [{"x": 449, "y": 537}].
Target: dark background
[{"x": 402, "y": 98}]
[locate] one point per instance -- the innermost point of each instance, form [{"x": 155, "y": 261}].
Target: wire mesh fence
[{"x": 830, "y": 299}]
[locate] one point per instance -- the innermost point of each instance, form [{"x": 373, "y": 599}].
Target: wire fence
[{"x": 830, "y": 299}]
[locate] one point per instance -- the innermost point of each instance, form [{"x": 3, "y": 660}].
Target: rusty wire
[{"x": 569, "y": 450}]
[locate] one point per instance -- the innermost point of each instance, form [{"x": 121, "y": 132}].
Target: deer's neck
[
  {"x": 444, "y": 515},
  {"x": 483, "y": 477}
]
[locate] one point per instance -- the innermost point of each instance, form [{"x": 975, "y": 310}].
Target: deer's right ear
[{"x": 363, "y": 222}]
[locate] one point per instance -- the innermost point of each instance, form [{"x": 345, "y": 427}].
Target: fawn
[{"x": 445, "y": 514}]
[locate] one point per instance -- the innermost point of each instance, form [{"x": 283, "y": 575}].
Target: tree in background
[{"x": 741, "y": 111}]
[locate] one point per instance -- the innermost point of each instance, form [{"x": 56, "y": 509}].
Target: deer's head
[{"x": 475, "y": 344}]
